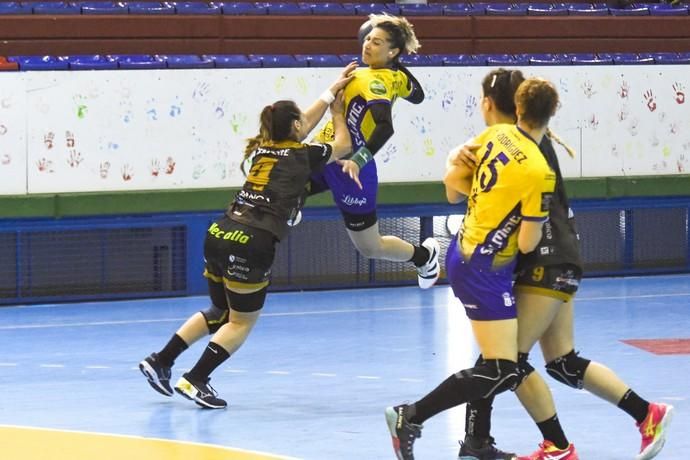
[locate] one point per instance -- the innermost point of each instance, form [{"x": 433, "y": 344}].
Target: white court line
[
  {"x": 51, "y": 365},
  {"x": 323, "y": 374},
  {"x": 177, "y": 320},
  {"x": 97, "y": 367},
  {"x": 278, "y": 372},
  {"x": 236, "y": 371},
  {"x": 304, "y": 313},
  {"x": 8, "y": 364},
  {"x": 405, "y": 379},
  {"x": 369, "y": 377}
]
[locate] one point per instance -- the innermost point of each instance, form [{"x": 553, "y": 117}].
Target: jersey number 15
[{"x": 488, "y": 179}]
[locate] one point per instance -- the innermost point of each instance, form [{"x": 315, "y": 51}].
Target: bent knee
[{"x": 569, "y": 369}]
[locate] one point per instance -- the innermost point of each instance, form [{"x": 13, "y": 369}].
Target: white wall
[{"x": 161, "y": 129}]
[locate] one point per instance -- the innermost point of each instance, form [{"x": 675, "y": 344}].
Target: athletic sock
[
  {"x": 634, "y": 406},
  {"x": 552, "y": 431},
  {"x": 420, "y": 256},
  {"x": 213, "y": 356},
  {"x": 172, "y": 350}
]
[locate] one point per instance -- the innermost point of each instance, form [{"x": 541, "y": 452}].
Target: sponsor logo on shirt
[
  {"x": 546, "y": 201},
  {"x": 354, "y": 118},
  {"x": 377, "y": 87},
  {"x": 245, "y": 195},
  {"x": 500, "y": 237}
]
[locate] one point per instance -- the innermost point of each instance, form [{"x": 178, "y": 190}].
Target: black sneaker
[
  {"x": 157, "y": 374},
  {"x": 403, "y": 432},
  {"x": 482, "y": 449},
  {"x": 200, "y": 392}
]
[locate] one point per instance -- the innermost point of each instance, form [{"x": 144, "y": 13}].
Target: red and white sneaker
[
  {"x": 653, "y": 430},
  {"x": 548, "y": 451}
]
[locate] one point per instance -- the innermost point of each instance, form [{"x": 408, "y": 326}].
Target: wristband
[
  {"x": 327, "y": 97},
  {"x": 362, "y": 157}
]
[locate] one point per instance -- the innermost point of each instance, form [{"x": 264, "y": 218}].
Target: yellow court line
[{"x": 28, "y": 443}]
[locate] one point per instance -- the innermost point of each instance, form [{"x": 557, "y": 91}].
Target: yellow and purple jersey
[
  {"x": 512, "y": 182},
  {"x": 370, "y": 86}
]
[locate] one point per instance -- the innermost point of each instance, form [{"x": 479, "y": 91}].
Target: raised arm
[{"x": 316, "y": 110}]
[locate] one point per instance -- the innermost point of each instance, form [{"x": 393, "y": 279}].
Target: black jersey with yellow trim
[
  {"x": 560, "y": 242},
  {"x": 274, "y": 190}
]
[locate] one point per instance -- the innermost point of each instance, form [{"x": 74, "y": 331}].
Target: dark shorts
[
  {"x": 237, "y": 255},
  {"x": 557, "y": 281},
  {"x": 486, "y": 295}
]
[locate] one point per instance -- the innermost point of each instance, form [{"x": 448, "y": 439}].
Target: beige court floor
[{"x": 25, "y": 443}]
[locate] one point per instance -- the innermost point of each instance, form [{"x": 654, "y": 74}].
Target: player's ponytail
[
  {"x": 275, "y": 125},
  {"x": 557, "y": 139}
]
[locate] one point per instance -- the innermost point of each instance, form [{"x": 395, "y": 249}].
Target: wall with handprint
[
  {"x": 12, "y": 135},
  {"x": 176, "y": 129}
]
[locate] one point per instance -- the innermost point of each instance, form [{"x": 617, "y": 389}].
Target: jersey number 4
[{"x": 260, "y": 173}]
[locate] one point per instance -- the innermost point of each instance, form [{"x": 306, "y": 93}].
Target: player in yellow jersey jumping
[{"x": 369, "y": 99}]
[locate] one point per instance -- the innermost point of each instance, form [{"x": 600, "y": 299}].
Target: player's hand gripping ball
[{"x": 364, "y": 30}]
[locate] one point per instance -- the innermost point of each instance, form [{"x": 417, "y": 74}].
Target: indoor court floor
[{"x": 315, "y": 375}]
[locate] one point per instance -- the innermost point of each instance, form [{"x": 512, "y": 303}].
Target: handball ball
[{"x": 364, "y": 31}]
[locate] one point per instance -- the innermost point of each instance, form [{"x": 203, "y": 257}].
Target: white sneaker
[{"x": 428, "y": 274}]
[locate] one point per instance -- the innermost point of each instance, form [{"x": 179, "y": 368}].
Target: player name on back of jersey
[
  {"x": 277, "y": 152},
  {"x": 510, "y": 148}
]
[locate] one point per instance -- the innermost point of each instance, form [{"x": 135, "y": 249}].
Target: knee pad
[
  {"x": 215, "y": 317},
  {"x": 524, "y": 368},
  {"x": 569, "y": 369},
  {"x": 491, "y": 377}
]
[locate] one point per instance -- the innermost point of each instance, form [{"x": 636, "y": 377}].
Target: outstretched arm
[{"x": 316, "y": 110}]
